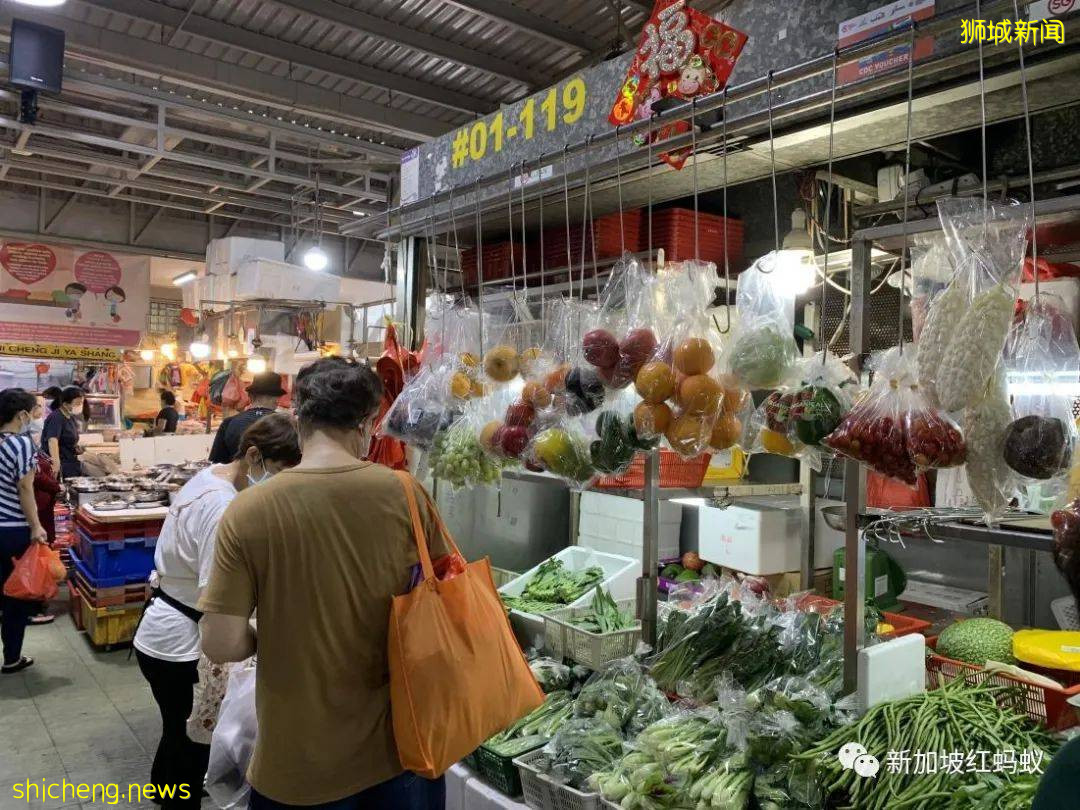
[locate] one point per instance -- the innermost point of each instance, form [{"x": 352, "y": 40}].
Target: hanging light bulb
[
  {"x": 315, "y": 258},
  {"x": 795, "y": 262},
  {"x": 256, "y": 364},
  {"x": 169, "y": 350},
  {"x": 146, "y": 354},
  {"x": 200, "y": 350}
]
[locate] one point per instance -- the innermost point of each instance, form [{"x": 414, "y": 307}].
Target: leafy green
[
  {"x": 603, "y": 615},
  {"x": 552, "y": 586}
]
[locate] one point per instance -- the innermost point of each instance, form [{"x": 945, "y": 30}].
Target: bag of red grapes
[{"x": 894, "y": 429}]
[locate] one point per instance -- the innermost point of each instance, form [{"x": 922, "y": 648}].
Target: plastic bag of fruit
[
  {"x": 1043, "y": 362},
  {"x": 459, "y": 458},
  {"x": 620, "y": 337},
  {"x": 508, "y": 336},
  {"x": 985, "y": 426},
  {"x": 615, "y": 438},
  {"x": 683, "y": 396},
  {"x": 423, "y": 408},
  {"x": 762, "y": 349},
  {"x": 987, "y": 243},
  {"x": 894, "y": 429}
]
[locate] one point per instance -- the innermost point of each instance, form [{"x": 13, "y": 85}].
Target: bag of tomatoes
[
  {"x": 894, "y": 429},
  {"x": 684, "y": 398},
  {"x": 762, "y": 350}
]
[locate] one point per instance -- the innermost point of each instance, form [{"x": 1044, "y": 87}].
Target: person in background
[
  {"x": 320, "y": 551},
  {"x": 46, "y": 491},
  {"x": 168, "y": 416},
  {"x": 60, "y": 437},
  {"x": 1059, "y": 786},
  {"x": 49, "y": 395},
  {"x": 167, "y": 640},
  {"x": 265, "y": 390},
  {"x": 19, "y": 523}
]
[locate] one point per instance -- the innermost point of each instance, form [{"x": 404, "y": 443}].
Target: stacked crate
[
  {"x": 112, "y": 559},
  {"x": 673, "y": 229},
  {"x": 63, "y": 533}
]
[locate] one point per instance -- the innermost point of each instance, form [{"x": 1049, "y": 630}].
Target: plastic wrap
[
  {"x": 894, "y": 429},
  {"x": 985, "y": 425},
  {"x": 987, "y": 243},
  {"x": 623, "y": 695},
  {"x": 423, "y": 408},
  {"x": 458, "y": 457},
  {"x": 620, "y": 336},
  {"x": 762, "y": 349},
  {"x": 1043, "y": 362},
  {"x": 581, "y": 747}
]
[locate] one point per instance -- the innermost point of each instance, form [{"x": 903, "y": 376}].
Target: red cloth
[
  {"x": 46, "y": 488},
  {"x": 395, "y": 363},
  {"x": 1048, "y": 270},
  {"x": 888, "y": 493}
]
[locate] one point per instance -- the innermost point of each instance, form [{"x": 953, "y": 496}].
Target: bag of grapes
[
  {"x": 894, "y": 429},
  {"x": 1043, "y": 362},
  {"x": 458, "y": 456}
]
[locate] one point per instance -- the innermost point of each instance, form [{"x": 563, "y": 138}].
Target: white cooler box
[
  {"x": 224, "y": 256},
  {"x": 262, "y": 278},
  {"x": 614, "y": 524},
  {"x": 760, "y": 536},
  {"x": 620, "y": 579}
]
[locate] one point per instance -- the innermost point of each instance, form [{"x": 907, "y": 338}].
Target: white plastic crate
[
  {"x": 614, "y": 524},
  {"x": 620, "y": 580},
  {"x": 263, "y": 278},
  {"x": 224, "y": 256},
  {"x": 565, "y": 640},
  {"x": 541, "y": 793}
]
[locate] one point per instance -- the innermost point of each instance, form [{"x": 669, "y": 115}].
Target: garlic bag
[
  {"x": 984, "y": 431},
  {"x": 937, "y": 304},
  {"x": 987, "y": 243},
  {"x": 762, "y": 349},
  {"x": 1043, "y": 362}
]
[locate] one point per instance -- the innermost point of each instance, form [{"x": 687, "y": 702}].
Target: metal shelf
[{"x": 718, "y": 492}]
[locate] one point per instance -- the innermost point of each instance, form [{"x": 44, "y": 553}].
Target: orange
[
  {"x": 460, "y": 385},
  {"x": 699, "y": 394},
  {"x": 776, "y": 443},
  {"x": 688, "y": 435},
  {"x": 651, "y": 420},
  {"x": 469, "y": 360},
  {"x": 536, "y": 394},
  {"x": 487, "y": 434},
  {"x": 725, "y": 432},
  {"x": 478, "y": 389},
  {"x": 655, "y": 382},
  {"x": 556, "y": 380},
  {"x": 694, "y": 356},
  {"x": 501, "y": 363}
]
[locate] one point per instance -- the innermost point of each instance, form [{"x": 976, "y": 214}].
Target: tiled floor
[{"x": 78, "y": 714}]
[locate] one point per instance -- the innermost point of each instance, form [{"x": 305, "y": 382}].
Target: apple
[
  {"x": 514, "y": 440},
  {"x": 600, "y": 348},
  {"x": 636, "y": 349},
  {"x": 520, "y": 414}
]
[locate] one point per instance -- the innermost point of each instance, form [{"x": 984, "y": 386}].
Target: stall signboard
[
  {"x": 540, "y": 125},
  {"x": 56, "y": 351},
  {"x": 52, "y": 294},
  {"x": 874, "y": 23}
]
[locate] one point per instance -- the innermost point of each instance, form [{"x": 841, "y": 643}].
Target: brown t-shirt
[{"x": 320, "y": 553}]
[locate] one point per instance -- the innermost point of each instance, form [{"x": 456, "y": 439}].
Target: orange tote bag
[{"x": 457, "y": 675}]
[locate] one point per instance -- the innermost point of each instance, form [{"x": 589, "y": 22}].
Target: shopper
[
  {"x": 19, "y": 523},
  {"x": 50, "y": 395},
  {"x": 167, "y": 640},
  {"x": 320, "y": 551},
  {"x": 265, "y": 390},
  {"x": 168, "y": 416},
  {"x": 60, "y": 436},
  {"x": 46, "y": 492},
  {"x": 1060, "y": 784}
]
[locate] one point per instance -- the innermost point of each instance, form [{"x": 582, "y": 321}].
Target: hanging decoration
[{"x": 683, "y": 54}]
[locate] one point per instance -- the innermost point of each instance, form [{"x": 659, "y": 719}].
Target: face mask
[
  {"x": 252, "y": 481},
  {"x": 34, "y": 427}
]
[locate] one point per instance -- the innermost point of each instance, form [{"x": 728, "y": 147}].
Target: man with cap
[{"x": 265, "y": 390}]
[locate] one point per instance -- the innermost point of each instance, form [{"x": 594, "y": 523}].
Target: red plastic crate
[
  {"x": 902, "y": 625},
  {"x": 75, "y": 606},
  {"x": 496, "y": 262},
  {"x": 675, "y": 471},
  {"x": 100, "y": 531},
  {"x": 1043, "y": 704}
]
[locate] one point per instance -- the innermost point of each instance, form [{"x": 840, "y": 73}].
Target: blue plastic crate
[
  {"x": 120, "y": 581},
  {"x": 117, "y": 558}
]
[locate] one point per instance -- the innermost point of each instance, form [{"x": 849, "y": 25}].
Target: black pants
[
  {"x": 178, "y": 760},
  {"x": 405, "y": 792},
  {"x": 13, "y": 542}
]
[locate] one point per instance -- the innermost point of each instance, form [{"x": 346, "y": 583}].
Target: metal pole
[
  {"x": 855, "y": 481},
  {"x": 650, "y": 556}
]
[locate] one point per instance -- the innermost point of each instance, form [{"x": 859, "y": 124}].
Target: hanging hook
[
  {"x": 772, "y": 171},
  {"x": 524, "y": 250},
  {"x": 905, "y": 252},
  {"x": 543, "y": 272},
  {"x": 591, "y": 224},
  {"x": 693, "y": 155},
  {"x": 982, "y": 110},
  {"x": 480, "y": 266},
  {"x": 828, "y": 209},
  {"x": 648, "y": 181},
  {"x": 618, "y": 186},
  {"x": 510, "y": 222},
  {"x": 585, "y": 224},
  {"x": 457, "y": 247},
  {"x": 566, "y": 208},
  {"x": 1030, "y": 162},
  {"x": 727, "y": 260}
]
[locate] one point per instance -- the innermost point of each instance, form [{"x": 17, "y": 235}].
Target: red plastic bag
[{"x": 36, "y": 573}]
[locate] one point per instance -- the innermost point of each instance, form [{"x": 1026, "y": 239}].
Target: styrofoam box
[
  {"x": 620, "y": 579},
  {"x": 614, "y": 524},
  {"x": 224, "y": 256},
  {"x": 262, "y": 278},
  {"x": 759, "y": 536}
]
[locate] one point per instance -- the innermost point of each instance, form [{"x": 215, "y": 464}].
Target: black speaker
[{"x": 36, "y": 56}]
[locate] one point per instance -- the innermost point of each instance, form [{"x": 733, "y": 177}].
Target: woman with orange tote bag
[{"x": 457, "y": 675}]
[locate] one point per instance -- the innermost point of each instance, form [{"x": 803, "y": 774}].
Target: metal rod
[
  {"x": 828, "y": 215},
  {"x": 905, "y": 253},
  {"x": 650, "y": 557},
  {"x": 1031, "y": 167}
]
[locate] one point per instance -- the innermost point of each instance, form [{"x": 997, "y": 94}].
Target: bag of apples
[
  {"x": 684, "y": 398},
  {"x": 894, "y": 429},
  {"x": 795, "y": 420}
]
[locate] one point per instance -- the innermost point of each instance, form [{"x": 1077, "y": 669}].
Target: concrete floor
[{"x": 78, "y": 714}]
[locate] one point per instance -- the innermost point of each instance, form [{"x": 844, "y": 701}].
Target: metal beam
[
  {"x": 62, "y": 210},
  {"x": 234, "y": 36},
  {"x": 414, "y": 39},
  {"x": 20, "y": 146},
  {"x": 142, "y": 231},
  {"x": 504, "y": 11},
  {"x": 100, "y": 46},
  {"x": 116, "y": 247}
]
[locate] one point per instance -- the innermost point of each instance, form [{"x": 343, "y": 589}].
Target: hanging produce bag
[
  {"x": 422, "y": 408},
  {"x": 1043, "y": 362},
  {"x": 970, "y": 321},
  {"x": 620, "y": 339},
  {"x": 894, "y": 429},
  {"x": 762, "y": 350},
  {"x": 985, "y": 426},
  {"x": 36, "y": 574},
  {"x": 457, "y": 675}
]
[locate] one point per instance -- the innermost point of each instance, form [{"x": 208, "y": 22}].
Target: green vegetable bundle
[
  {"x": 582, "y": 747},
  {"x": 622, "y": 695},
  {"x": 553, "y": 586},
  {"x": 689, "y": 640},
  {"x": 535, "y": 728},
  {"x": 603, "y": 615},
  {"x": 955, "y": 717}
]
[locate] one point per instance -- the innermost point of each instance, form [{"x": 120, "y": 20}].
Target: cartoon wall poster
[{"x": 65, "y": 295}]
